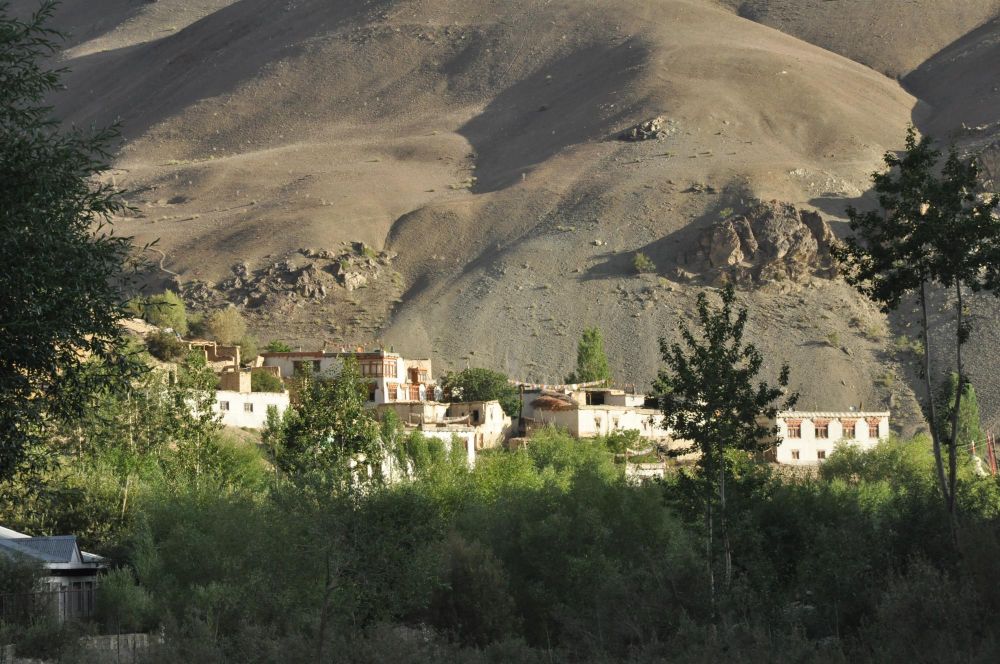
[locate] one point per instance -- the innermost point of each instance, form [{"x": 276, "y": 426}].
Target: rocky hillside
[{"x": 477, "y": 149}]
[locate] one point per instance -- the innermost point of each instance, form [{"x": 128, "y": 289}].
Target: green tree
[
  {"x": 478, "y": 384},
  {"x": 64, "y": 271},
  {"x": 330, "y": 430},
  {"x": 277, "y": 346},
  {"x": 166, "y": 310},
  {"x": 263, "y": 381},
  {"x": 226, "y": 326},
  {"x": 932, "y": 230},
  {"x": 969, "y": 425},
  {"x": 166, "y": 347},
  {"x": 708, "y": 395},
  {"x": 591, "y": 362}
]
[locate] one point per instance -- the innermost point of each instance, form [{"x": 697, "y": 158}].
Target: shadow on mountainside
[
  {"x": 577, "y": 98},
  {"x": 145, "y": 84}
]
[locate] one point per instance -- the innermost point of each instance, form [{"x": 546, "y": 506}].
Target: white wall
[
  {"x": 591, "y": 421},
  {"x": 237, "y": 414},
  {"x": 809, "y": 447}
]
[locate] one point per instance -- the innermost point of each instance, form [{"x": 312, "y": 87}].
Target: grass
[{"x": 642, "y": 263}]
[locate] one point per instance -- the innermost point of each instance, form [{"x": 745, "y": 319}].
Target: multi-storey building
[
  {"x": 809, "y": 437},
  {"x": 390, "y": 377}
]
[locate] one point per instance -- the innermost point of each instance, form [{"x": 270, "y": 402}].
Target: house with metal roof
[{"x": 70, "y": 578}]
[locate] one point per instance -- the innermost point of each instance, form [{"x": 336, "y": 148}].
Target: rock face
[
  {"x": 649, "y": 130},
  {"x": 770, "y": 242},
  {"x": 304, "y": 275}
]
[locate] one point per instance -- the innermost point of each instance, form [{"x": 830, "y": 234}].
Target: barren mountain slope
[
  {"x": 476, "y": 140},
  {"x": 890, "y": 36}
]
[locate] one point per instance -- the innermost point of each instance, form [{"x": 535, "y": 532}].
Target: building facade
[
  {"x": 809, "y": 437},
  {"x": 593, "y": 412},
  {"x": 68, "y": 588},
  {"x": 248, "y": 409},
  {"x": 390, "y": 377}
]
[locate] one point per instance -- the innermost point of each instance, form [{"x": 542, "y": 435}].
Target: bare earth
[{"x": 475, "y": 140}]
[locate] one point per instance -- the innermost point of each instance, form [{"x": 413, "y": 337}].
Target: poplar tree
[
  {"x": 591, "y": 362},
  {"x": 709, "y": 395},
  {"x": 935, "y": 228}
]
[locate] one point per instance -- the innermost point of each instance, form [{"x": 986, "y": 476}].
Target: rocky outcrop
[
  {"x": 653, "y": 129},
  {"x": 770, "y": 242},
  {"x": 304, "y": 275}
]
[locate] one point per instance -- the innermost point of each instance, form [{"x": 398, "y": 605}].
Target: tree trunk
[
  {"x": 726, "y": 549},
  {"x": 928, "y": 382},
  {"x": 955, "y": 416},
  {"x": 324, "y": 613},
  {"x": 710, "y": 548}
]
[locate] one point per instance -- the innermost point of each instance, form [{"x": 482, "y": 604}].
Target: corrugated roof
[{"x": 58, "y": 549}]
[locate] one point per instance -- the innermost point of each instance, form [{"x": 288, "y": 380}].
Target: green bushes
[
  {"x": 166, "y": 347},
  {"x": 263, "y": 381},
  {"x": 550, "y": 554}
]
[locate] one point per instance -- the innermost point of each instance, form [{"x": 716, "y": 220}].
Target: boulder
[
  {"x": 770, "y": 242},
  {"x": 651, "y": 129}
]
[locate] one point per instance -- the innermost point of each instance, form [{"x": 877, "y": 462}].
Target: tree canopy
[
  {"x": 476, "y": 384},
  {"x": 936, "y": 227},
  {"x": 63, "y": 268},
  {"x": 591, "y": 362},
  {"x": 708, "y": 395}
]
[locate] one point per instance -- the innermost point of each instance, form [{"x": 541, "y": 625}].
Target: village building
[
  {"x": 810, "y": 437},
  {"x": 69, "y": 585},
  {"x": 238, "y": 406},
  {"x": 483, "y": 423},
  {"x": 390, "y": 377},
  {"x": 592, "y": 412}
]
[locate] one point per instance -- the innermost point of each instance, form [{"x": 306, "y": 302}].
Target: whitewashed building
[
  {"x": 248, "y": 410},
  {"x": 390, "y": 377},
  {"x": 592, "y": 412},
  {"x": 809, "y": 437}
]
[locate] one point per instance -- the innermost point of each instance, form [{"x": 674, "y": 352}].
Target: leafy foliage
[
  {"x": 277, "y": 346},
  {"x": 263, "y": 381},
  {"x": 226, "y": 326},
  {"x": 64, "y": 270},
  {"x": 708, "y": 396},
  {"x": 970, "y": 430},
  {"x": 166, "y": 346},
  {"x": 166, "y": 310},
  {"x": 933, "y": 229},
  {"x": 477, "y": 384},
  {"x": 329, "y": 430},
  {"x": 591, "y": 362},
  {"x": 642, "y": 263}
]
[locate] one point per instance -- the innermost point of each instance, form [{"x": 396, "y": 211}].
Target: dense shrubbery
[{"x": 548, "y": 554}]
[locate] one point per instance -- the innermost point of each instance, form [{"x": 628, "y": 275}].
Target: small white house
[
  {"x": 809, "y": 437},
  {"x": 248, "y": 409},
  {"x": 593, "y": 412}
]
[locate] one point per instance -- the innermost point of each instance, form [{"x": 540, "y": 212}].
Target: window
[
  {"x": 848, "y": 429},
  {"x": 389, "y": 369},
  {"x": 795, "y": 455},
  {"x": 821, "y": 454},
  {"x": 316, "y": 366},
  {"x": 223, "y": 406},
  {"x": 873, "y": 429},
  {"x": 248, "y": 407},
  {"x": 794, "y": 429},
  {"x": 822, "y": 428},
  {"x": 475, "y": 416}
]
